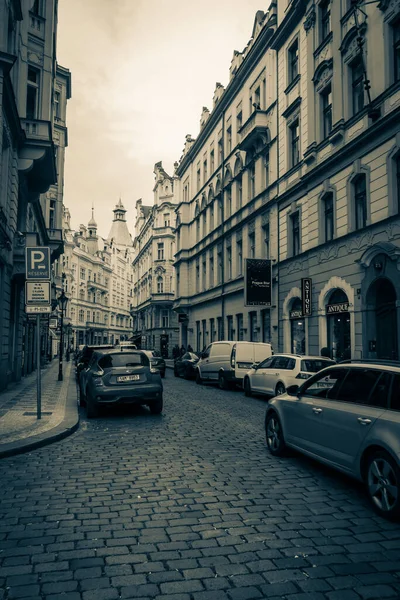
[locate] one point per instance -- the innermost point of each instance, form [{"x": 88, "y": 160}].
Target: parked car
[
  {"x": 185, "y": 365},
  {"x": 348, "y": 417},
  {"x": 226, "y": 362},
  {"x": 115, "y": 377},
  {"x": 156, "y": 360},
  {"x": 84, "y": 357},
  {"x": 274, "y": 375},
  {"x": 126, "y": 346}
]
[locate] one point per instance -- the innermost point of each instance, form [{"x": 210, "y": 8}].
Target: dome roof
[{"x": 92, "y": 223}]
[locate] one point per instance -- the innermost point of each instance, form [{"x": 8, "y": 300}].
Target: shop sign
[
  {"x": 183, "y": 317},
  {"x": 258, "y": 282},
  {"x": 306, "y": 287},
  {"x": 342, "y": 307},
  {"x": 295, "y": 314}
]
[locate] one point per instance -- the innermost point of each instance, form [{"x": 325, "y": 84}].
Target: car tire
[
  {"x": 199, "y": 380},
  {"x": 382, "y": 479},
  {"x": 280, "y": 389},
  {"x": 92, "y": 410},
  {"x": 274, "y": 434},
  {"x": 247, "y": 388},
  {"x": 156, "y": 407},
  {"x": 222, "y": 383}
]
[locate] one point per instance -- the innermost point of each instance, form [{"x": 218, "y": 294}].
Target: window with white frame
[
  {"x": 81, "y": 316},
  {"x": 252, "y": 179},
  {"x": 239, "y": 257},
  {"x": 293, "y": 61},
  {"x": 160, "y": 284},
  {"x": 360, "y": 201},
  {"x": 164, "y": 318},
  {"x": 294, "y": 143},
  {"x": 160, "y": 251},
  {"x": 32, "y": 93},
  {"x": 83, "y": 273}
]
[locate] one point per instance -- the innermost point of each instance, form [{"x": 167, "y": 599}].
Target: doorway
[{"x": 385, "y": 319}]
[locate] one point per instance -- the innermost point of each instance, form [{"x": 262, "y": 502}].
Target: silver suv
[{"x": 348, "y": 417}]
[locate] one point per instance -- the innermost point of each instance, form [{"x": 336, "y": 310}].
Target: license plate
[{"x": 127, "y": 378}]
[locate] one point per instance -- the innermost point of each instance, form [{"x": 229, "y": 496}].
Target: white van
[{"x": 226, "y": 362}]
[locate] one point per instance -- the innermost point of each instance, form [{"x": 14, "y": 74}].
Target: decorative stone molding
[
  {"x": 309, "y": 21},
  {"x": 391, "y": 8},
  {"x": 251, "y": 226}
]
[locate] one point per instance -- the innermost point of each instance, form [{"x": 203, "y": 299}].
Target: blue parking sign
[{"x": 38, "y": 262}]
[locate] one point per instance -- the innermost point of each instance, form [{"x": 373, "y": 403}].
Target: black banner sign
[
  {"x": 306, "y": 287},
  {"x": 182, "y": 318},
  {"x": 258, "y": 282},
  {"x": 342, "y": 307}
]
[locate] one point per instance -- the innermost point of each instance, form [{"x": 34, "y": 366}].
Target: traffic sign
[
  {"x": 38, "y": 262},
  {"x": 37, "y": 292},
  {"x": 37, "y": 309}
]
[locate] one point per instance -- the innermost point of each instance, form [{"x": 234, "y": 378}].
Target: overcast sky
[{"x": 141, "y": 72}]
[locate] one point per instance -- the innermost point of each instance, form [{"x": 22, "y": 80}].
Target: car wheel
[
  {"x": 280, "y": 389},
  {"x": 156, "y": 407},
  {"x": 247, "y": 387},
  {"x": 92, "y": 410},
  {"x": 383, "y": 484},
  {"x": 222, "y": 383},
  {"x": 199, "y": 380},
  {"x": 274, "y": 435}
]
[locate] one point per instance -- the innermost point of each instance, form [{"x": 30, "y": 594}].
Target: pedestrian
[
  {"x": 183, "y": 350},
  {"x": 325, "y": 352},
  {"x": 190, "y": 349}
]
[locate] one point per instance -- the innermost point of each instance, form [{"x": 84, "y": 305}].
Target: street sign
[
  {"x": 37, "y": 309},
  {"x": 37, "y": 292},
  {"x": 38, "y": 262}
]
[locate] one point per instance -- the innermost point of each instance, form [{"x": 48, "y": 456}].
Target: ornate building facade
[
  {"x": 155, "y": 324},
  {"x": 29, "y": 76},
  {"x": 299, "y": 161}
]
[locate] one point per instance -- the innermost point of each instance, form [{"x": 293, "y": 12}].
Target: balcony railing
[
  {"x": 36, "y": 156},
  {"x": 97, "y": 285},
  {"x": 255, "y": 127}
]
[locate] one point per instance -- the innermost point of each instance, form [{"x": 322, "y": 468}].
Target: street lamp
[
  {"x": 62, "y": 302},
  {"x": 69, "y": 331}
]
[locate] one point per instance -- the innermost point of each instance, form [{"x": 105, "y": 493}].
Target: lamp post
[
  {"x": 62, "y": 301},
  {"x": 69, "y": 330}
]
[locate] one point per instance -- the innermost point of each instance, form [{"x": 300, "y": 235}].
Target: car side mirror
[{"x": 292, "y": 390}]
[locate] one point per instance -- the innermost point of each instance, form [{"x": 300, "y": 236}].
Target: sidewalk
[{"x": 20, "y": 430}]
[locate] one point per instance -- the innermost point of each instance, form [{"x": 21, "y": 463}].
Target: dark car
[
  {"x": 115, "y": 377},
  {"x": 156, "y": 361},
  {"x": 84, "y": 356},
  {"x": 185, "y": 365}
]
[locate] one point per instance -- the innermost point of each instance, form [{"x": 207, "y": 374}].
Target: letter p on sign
[{"x": 38, "y": 263}]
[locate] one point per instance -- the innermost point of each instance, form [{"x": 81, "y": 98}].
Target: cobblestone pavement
[{"x": 187, "y": 506}]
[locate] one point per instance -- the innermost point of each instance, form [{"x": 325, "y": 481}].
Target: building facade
[
  {"x": 96, "y": 276},
  {"x": 155, "y": 324},
  {"x": 299, "y": 161},
  {"x": 28, "y": 168}
]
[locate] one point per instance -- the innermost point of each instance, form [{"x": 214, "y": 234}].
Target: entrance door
[{"x": 386, "y": 320}]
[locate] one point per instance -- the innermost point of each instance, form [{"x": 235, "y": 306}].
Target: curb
[{"x": 68, "y": 426}]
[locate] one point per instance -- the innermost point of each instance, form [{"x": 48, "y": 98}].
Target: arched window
[{"x": 160, "y": 285}]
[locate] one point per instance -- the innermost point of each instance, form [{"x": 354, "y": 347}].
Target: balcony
[
  {"x": 164, "y": 297},
  {"x": 37, "y": 25},
  {"x": 56, "y": 242},
  {"x": 255, "y": 131},
  {"x": 96, "y": 285},
  {"x": 93, "y": 325},
  {"x": 37, "y": 157}
]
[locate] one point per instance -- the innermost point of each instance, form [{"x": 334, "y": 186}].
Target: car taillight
[
  {"x": 97, "y": 377},
  {"x": 302, "y": 376}
]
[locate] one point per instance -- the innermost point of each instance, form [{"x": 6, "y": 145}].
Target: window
[
  {"x": 198, "y": 178},
  {"x": 52, "y": 214},
  {"x": 326, "y": 385},
  {"x": 253, "y": 326},
  {"x": 325, "y": 19},
  {"x": 266, "y": 170},
  {"x": 266, "y": 239},
  {"x": 223, "y": 349},
  {"x": 160, "y": 285},
  {"x": 219, "y": 265},
  {"x": 239, "y": 120},
  {"x": 252, "y": 180},
  {"x": 293, "y": 59},
  {"x": 229, "y": 139},
  {"x": 212, "y": 162},
  {"x": 326, "y": 105},
  {"x": 252, "y": 245},
  {"x": 197, "y": 277},
  {"x": 239, "y": 256},
  {"x": 83, "y": 273},
  {"x": 160, "y": 251},
  {"x": 257, "y": 99},
  {"x": 57, "y": 97},
  {"x": 239, "y": 327},
  {"x": 229, "y": 261},
  {"x": 228, "y": 194},
  {"x": 81, "y": 316},
  {"x": 81, "y": 294},
  {"x": 198, "y": 229},
  {"x": 165, "y": 318},
  {"x": 357, "y": 86},
  {"x": 32, "y": 93},
  {"x": 294, "y": 143},
  {"x": 211, "y": 271},
  {"x": 328, "y": 218},
  {"x": 357, "y": 386},
  {"x": 204, "y": 223},
  {"x": 360, "y": 202},
  {"x": 295, "y": 222},
  {"x": 212, "y": 330},
  {"x": 205, "y": 172},
  {"x": 212, "y": 217},
  {"x": 204, "y": 267},
  {"x": 220, "y": 149},
  {"x": 167, "y": 221},
  {"x": 396, "y": 50},
  {"x": 239, "y": 192}
]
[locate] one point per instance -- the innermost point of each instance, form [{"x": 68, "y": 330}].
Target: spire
[
  {"x": 119, "y": 211},
  {"x": 92, "y": 223},
  {"x": 119, "y": 229}
]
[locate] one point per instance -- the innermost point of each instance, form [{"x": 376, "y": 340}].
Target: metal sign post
[{"x": 38, "y": 379}]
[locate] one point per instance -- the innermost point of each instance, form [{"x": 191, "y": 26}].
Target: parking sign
[{"x": 38, "y": 262}]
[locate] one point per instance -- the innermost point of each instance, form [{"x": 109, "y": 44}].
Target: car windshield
[
  {"x": 313, "y": 365},
  {"x": 123, "y": 359}
]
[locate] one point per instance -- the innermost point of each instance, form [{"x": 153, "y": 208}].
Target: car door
[
  {"x": 257, "y": 378},
  {"x": 303, "y": 416},
  {"x": 274, "y": 373},
  {"x": 350, "y": 414},
  {"x": 205, "y": 365}
]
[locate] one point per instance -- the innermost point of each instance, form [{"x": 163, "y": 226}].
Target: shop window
[
  {"x": 338, "y": 323},
  {"x": 297, "y": 328}
]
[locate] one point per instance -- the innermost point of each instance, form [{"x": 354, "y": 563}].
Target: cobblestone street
[{"x": 187, "y": 506}]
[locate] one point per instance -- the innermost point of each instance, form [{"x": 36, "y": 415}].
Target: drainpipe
[
  {"x": 277, "y": 195},
  {"x": 223, "y": 228}
]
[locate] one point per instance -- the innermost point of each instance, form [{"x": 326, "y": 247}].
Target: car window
[
  {"x": 265, "y": 364},
  {"x": 281, "y": 362},
  {"x": 380, "y": 394},
  {"x": 357, "y": 386},
  {"x": 312, "y": 365},
  {"x": 206, "y": 352},
  {"x": 125, "y": 359},
  {"x": 395, "y": 395},
  {"x": 157, "y": 353},
  {"x": 324, "y": 386},
  {"x": 291, "y": 364}
]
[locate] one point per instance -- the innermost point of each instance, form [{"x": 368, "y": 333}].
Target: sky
[{"x": 141, "y": 72}]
